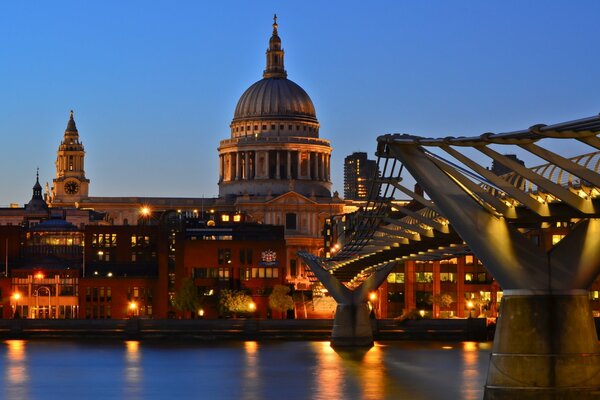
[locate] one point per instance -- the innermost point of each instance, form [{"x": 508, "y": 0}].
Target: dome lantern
[{"x": 275, "y": 54}]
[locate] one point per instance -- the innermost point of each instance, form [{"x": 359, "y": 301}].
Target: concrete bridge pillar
[
  {"x": 352, "y": 322},
  {"x": 545, "y": 347}
]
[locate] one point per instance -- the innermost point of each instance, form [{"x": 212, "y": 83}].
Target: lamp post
[
  {"x": 372, "y": 300},
  {"x": 470, "y": 306},
  {"x": 132, "y": 308},
  {"x": 252, "y": 308},
  {"x": 16, "y": 296}
]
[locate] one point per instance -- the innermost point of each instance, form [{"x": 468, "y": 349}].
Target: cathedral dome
[{"x": 275, "y": 98}]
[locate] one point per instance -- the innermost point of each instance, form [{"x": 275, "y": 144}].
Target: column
[
  {"x": 299, "y": 175},
  {"x": 237, "y": 166},
  {"x": 322, "y": 157},
  {"x": 308, "y": 160},
  {"x": 289, "y": 164},
  {"x": 220, "y": 168},
  {"x": 316, "y": 166},
  {"x": 246, "y": 165},
  {"x": 267, "y": 164},
  {"x": 277, "y": 170}
]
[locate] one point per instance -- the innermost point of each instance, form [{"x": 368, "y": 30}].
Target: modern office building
[{"x": 359, "y": 172}]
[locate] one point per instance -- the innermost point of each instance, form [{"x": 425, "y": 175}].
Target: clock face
[{"x": 71, "y": 187}]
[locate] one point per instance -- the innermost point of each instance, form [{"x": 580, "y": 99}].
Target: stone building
[{"x": 273, "y": 168}]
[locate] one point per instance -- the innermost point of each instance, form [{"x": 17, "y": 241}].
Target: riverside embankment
[{"x": 236, "y": 329}]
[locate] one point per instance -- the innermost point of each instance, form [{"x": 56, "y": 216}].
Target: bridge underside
[{"x": 546, "y": 344}]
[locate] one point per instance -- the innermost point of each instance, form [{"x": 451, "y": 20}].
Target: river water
[{"x": 275, "y": 370}]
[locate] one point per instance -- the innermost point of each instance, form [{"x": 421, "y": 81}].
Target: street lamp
[
  {"x": 470, "y": 306},
  {"x": 372, "y": 304},
  {"x": 16, "y": 296},
  {"x": 133, "y": 308}
]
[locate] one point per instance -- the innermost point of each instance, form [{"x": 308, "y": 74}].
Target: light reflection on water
[
  {"x": 16, "y": 370},
  {"x": 133, "y": 370},
  {"x": 242, "y": 370}
]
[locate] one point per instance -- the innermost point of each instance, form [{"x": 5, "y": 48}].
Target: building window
[
  {"x": 223, "y": 273},
  {"x": 424, "y": 277},
  {"x": 273, "y": 127},
  {"x": 245, "y": 256},
  {"x": 265, "y": 273},
  {"x": 396, "y": 277},
  {"x": 290, "y": 221},
  {"x": 293, "y": 268},
  {"x": 205, "y": 273},
  {"x": 557, "y": 238},
  {"x": 142, "y": 248},
  {"x": 448, "y": 277},
  {"x": 103, "y": 246},
  {"x": 223, "y": 256}
]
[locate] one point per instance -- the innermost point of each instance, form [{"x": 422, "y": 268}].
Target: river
[{"x": 278, "y": 370}]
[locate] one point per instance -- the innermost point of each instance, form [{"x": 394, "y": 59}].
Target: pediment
[{"x": 290, "y": 198}]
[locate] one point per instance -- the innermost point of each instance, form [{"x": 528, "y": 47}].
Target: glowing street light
[
  {"x": 252, "y": 306},
  {"x": 201, "y": 313},
  {"x": 373, "y": 296},
  {"x": 16, "y": 297},
  {"x": 470, "y": 306},
  {"x": 133, "y": 308}
]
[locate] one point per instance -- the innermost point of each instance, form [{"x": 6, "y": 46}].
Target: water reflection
[
  {"x": 246, "y": 371},
  {"x": 133, "y": 370},
  {"x": 373, "y": 374},
  {"x": 471, "y": 388},
  {"x": 330, "y": 374},
  {"x": 251, "y": 380},
  {"x": 16, "y": 375}
]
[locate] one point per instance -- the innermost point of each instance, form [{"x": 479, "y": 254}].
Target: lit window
[
  {"x": 237, "y": 218},
  {"x": 557, "y": 238},
  {"x": 225, "y": 218}
]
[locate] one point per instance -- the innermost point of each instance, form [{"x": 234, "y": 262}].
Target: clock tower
[{"x": 70, "y": 184}]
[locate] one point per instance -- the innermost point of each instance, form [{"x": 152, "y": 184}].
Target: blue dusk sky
[{"x": 154, "y": 83}]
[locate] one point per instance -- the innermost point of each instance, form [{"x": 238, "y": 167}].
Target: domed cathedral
[
  {"x": 275, "y": 145},
  {"x": 70, "y": 184},
  {"x": 275, "y": 168}
]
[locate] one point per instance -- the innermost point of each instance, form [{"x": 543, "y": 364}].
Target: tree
[
  {"x": 441, "y": 299},
  {"x": 186, "y": 298},
  {"x": 280, "y": 300},
  {"x": 234, "y": 301}
]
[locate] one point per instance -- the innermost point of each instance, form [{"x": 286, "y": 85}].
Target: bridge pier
[
  {"x": 352, "y": 323},
  {"x": 545, "y": 346},
  {"x": 352, "y": 326}
]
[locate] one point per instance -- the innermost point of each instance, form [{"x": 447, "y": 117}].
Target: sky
[{"x": 154, "y": 84}]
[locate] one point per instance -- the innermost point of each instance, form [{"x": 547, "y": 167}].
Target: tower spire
[{"x": 275, "y": 67}]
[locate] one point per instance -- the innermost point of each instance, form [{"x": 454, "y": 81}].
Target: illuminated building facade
[{"x": 359, "y": 172}]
